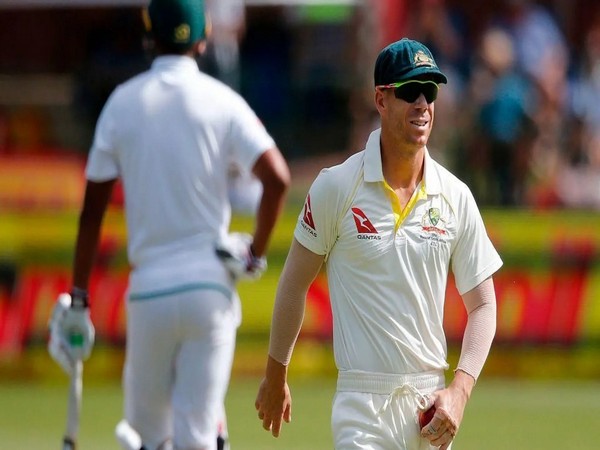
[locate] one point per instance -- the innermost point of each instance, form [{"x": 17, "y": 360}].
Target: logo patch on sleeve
[{"x": 308, "y": 218}]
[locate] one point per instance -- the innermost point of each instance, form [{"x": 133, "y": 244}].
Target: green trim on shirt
[{"x": 179, "y": 289}]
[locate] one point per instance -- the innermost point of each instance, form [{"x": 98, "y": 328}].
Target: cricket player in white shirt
[
  {"x": 389, "y": 223},
  {"x": 170, "y": 134}
]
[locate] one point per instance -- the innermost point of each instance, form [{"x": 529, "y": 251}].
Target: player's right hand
[
  {"x": 274, "y": 400},
  {"x": 72, "y": 333},
  {"x": 235, "y": 250},
  {"x": 274, "y": 406}
]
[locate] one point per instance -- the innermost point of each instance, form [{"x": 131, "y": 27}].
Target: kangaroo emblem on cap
[{"x": 421, "y": 59}]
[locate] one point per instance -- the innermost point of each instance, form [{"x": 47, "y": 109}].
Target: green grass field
[{"x": 502, "y": 415}]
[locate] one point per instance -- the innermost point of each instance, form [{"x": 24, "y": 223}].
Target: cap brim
[{"x": 425, "y": 73}]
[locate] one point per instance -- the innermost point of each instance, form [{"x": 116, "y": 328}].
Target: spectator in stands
[
  {"x": 578, "y": 182},
  {"x": 543, "y": 57},
  {"x": 501, "y": 143},
  {"x": 228, "y": 25}
]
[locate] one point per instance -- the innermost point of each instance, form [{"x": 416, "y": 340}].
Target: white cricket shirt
[
  {"x": 387, "y": 268},
  {"x": 170, "y": 134}
]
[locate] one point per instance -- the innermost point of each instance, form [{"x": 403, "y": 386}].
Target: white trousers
[
  {"x": 373, "y": 411},
  {"x": 177, "y": 366}
]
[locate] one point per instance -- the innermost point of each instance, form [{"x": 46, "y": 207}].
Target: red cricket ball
[{"x": 426, "y": 416}]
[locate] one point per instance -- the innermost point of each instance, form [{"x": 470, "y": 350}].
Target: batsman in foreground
[
  {"x": 389, "y": 222},
  {"x": 170, "y": 134}
]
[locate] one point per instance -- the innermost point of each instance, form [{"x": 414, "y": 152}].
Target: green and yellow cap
[
  {"x": 177, "y": 23},
  {"x": 404, "y": 60}
]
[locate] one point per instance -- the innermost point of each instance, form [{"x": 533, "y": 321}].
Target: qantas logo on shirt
[
  {"x": 365, "y": 228},
  {"x": 308, "y": 218},
  {"x": 307, "y": 221}
]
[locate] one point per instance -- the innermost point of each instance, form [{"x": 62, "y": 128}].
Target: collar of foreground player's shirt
[
  {"x": 374, "y": 168},
  {"x": 165, "y": 62}
]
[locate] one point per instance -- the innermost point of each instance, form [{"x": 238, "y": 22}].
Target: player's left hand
[
  {"x": 72, "y": 333},
  {"x": 440, "y": 431},
  {"x": 57, "y": 346},
  {"x": 235, "y": 250},
  {"x": 449, "y": 405}
]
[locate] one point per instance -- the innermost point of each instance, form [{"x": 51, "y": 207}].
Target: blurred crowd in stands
[
  {"x": 519, "y": 120},
  {"x": 530, "y": 134},
  {"x": 531, "y": 131}
]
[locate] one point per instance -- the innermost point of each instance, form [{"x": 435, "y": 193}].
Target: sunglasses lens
[{"x": 410, "y": 92}]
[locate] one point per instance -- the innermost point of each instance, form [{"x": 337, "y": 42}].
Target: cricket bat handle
[{"x": 73, "y": 407}]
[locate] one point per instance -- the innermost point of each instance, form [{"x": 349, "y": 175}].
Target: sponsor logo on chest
[
  {"x": 364, "y": 227},
  {"x": 432, "y": 226}
]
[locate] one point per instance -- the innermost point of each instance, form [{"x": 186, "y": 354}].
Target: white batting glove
[
  {"x": 56, "y": 345},
  {"x": 235, "y": 250},
  {"x": 72, "y": 333}
]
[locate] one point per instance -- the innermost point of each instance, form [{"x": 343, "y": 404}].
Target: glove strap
[
  {"x": 256, "y": 262},
  {"x": 79, "y": 298}
]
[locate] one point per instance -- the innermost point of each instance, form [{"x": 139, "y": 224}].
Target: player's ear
[
  {"x": 379, "y": 99},
  {"x": 200, "y": 47}
]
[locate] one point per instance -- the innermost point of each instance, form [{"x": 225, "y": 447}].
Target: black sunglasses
[{"x": 410, "y": 90}]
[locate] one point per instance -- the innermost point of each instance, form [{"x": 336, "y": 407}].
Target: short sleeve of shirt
[
  {"x": 102, "y": 163},
  {"x": 249, "y": 138},
  {"x": 474, "y": 258},
  {"x": 317, "y": 222}
]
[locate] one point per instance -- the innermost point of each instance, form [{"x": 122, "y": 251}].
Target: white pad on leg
[{"x": 127, "y": 436}]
